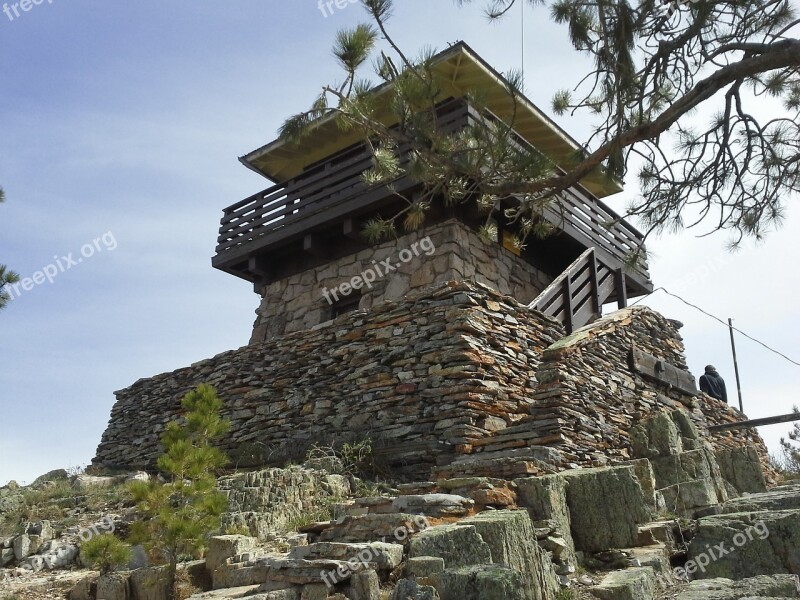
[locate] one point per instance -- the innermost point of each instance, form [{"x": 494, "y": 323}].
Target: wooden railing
[
  {"x": 585, "y": 217},
  {"x": 576, "y": 297},
  {"x": 319, "y": 188},
  {"x": 333, "y": 189}
]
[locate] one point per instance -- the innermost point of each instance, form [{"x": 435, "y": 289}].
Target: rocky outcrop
[
  {"x": 606, "y": 507},
  {"x": 263, "y": 502},
  {"x": 685, "y": 471}
]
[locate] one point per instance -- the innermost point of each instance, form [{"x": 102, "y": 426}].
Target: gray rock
[
  {"x": 424, "y": 566},
  {"x": 437, "y": 505},
  {"x": 779, "y": 498},
  {"x": 769, "y": 586},
  {"x": 85, "y": 589},
  {"x": 606, "y": 507},
  {"x": 638, "y": 583},
  {"x": 223, "y": 547},
  {"x": 148, "y": 584},
  {"x": 113, "y": 586},
  {"x": 408, "y": 589},
  {"x": 689, "y": 480},
  {"x": 760, "y": 543},
  {"x": 656, "y": 436},
  {"x": 60, "y": 555},
  {"x": 459, "y": 545},
  {"x": 741, "y": 468},
  {"x": 509, "y": 535},
  {"x": 364, "y": 586},
  {"x": 6, "y": 556},
  {"x": 84, "y": 481},
  {"x": 546, "y": 500},
  {"x": 55, "y": 475},
  {"x": 481, "y": 582},
  {"x": 386, "y": 557},
  {"x": 24, "y": 546},
  {"x": 139, "y": 558}
]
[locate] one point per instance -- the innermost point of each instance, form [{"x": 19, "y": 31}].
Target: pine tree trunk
[{"x": 171, "y": 570}]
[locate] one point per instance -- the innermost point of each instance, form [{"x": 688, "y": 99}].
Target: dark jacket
[{"x": 713, "y": 385}]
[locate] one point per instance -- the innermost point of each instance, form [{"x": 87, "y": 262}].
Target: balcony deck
[{"x": 327, "y": 194}]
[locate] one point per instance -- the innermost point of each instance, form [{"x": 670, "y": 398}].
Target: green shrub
[{"x": 106, "y": 552}]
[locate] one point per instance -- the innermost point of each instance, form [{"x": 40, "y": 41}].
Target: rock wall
[
  {"x": 267, "y": 501},
  {"x": 452, "y": 251},
  {"x": 588, "y": 398},
  {"x": 424, "y": 379},
  {"x": 456, "y": 371}
]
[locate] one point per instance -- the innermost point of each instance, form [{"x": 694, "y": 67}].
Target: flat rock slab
[
  {"x": 765, "y": 586},
  {"x": 459, "y": 545},
  {"x": 638, "y": 583},
  {"x": 387, "y": 556},
  {"x": 230, "y": 593},
  {"x": 741, "y": 545},
  {"x": 780, "y": 498},
  {"x": 437, "y": 505}
]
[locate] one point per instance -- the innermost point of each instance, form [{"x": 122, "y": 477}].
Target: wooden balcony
[{"x": 331, "y": 196}]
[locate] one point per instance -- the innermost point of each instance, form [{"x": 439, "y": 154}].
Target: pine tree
[
  {"x": 7, "y": 276},
  {"x": 653, "y": 63},
  {"x": 181, "y": 512}
]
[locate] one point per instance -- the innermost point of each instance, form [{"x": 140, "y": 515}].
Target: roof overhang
[{"x": 460, "y": 71}]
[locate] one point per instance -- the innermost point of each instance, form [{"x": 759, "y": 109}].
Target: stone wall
[
  {"x": 456, "y": 254},
  {"x": 424, "y": 379},
  {"x": 588, "y": 398},
  {"x": 456, "y": 371}
]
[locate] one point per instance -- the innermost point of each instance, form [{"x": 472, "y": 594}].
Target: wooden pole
[
  {"x": 736, "y": 366},
  {"x": 757, "y": 422}
]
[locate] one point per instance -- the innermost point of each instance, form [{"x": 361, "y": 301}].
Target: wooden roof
[{"x": 460, "y": 70}]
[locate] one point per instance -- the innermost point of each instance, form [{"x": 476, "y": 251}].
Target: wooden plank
[
  {"x": 568, "y": 322},
  {"x": 662, "y": 371},
  {"x": 351, "y": 229},
  {"x": 757, "y": 422},
  {"x": 621, "y": 288},
  {"x": 598, "y": 307}
]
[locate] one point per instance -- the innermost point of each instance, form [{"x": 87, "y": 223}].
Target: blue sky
[{"x": 125, "y": 120}]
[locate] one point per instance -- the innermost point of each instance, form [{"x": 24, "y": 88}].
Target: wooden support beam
[
  {"x": 259, "y": 266},
  {"x": 596, "y": 302},
  {"x": 352, "y": 229},
  {"x": 312, "y": 244},
  {"x": 622, "y": 288},
  {"x": 757, "y": 422},
  {"x": 569, "y": 323}
]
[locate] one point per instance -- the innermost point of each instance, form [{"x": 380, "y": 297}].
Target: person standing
[{"x": 713, "y": 384}]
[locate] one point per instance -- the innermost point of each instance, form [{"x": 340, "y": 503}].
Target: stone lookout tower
[
  {"x": 447, "y": 350},
  {"x": 301, "y": 236}
]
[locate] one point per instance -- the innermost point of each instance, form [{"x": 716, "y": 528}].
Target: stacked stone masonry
[
  {"x": 451, "y": 251},
  {"x": 451, "y": 372}
]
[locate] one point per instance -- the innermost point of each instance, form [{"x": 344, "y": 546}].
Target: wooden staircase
[{"x": 576, "y": 297}]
